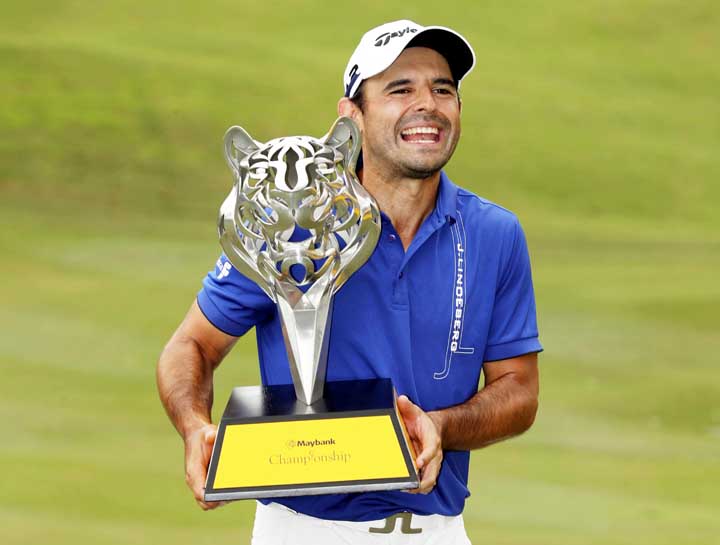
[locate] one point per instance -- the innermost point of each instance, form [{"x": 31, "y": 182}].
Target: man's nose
[{"x": 425, "y": 100}]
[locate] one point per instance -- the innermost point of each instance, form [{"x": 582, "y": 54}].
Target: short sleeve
[
  {"x": 513, "y": 326},
  {"x": 232, "y": 302}
]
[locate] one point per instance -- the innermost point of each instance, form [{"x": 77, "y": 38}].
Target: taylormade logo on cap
[
  {"x": 383, "y": 39},
  {"x": 379, "y": 47}
]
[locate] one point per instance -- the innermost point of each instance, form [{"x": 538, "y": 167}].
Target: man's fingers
[
  {"x": 408, "y": 409},
  {"x": 429, "y": 471},
  {"x": 210, "y": 434},
  {"x": 429, "y": 462},
  {"x": 425, "y": 487},
  {"x": 427, "y": 483},
  {"x": 431, "y": 446},
  {"x": 198, "y": 489},
  {"x": 425, "y": 456},
  {"x": 208, "y": 441},
  {"x": 426, "y": 442},
  {"x": 210, "y": 505},
  {"x": 411, "y": 415},
  {"x": 432, "y": 471},
  {"x": 198, "y": 449},
  {"x": 429, "y": 475},
  {"x": 196, "y": 483}
]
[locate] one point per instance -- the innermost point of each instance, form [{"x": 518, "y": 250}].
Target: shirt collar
[{"x": 446, "y": 203}]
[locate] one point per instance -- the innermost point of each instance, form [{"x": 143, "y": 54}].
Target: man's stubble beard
[
  {"x": 418, "y": 173},
  {"x": 393, "y": 168}
]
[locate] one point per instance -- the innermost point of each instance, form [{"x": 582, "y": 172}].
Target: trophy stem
[{"x": 305, "y": 321}]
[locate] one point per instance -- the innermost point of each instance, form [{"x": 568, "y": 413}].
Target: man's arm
[
  {"x": 185, "y": 383},
  {"x": 505, "y": 407}
]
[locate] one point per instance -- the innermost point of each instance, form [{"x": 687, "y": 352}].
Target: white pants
[{"x": 275, "y": 524}]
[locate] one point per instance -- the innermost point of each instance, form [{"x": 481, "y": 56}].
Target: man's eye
[
  {"x": 443, "y": 91},
  {"x": 400, "y": 91}
]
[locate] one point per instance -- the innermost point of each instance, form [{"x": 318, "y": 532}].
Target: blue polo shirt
[{"x": 427, "y": 318}]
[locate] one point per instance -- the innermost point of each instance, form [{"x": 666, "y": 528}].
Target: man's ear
[
  {"x": 347, "y": 108},
  {"x": 238, "y": 145}
]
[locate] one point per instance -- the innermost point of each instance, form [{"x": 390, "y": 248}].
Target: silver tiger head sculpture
[{"x": 299, "y": 223}]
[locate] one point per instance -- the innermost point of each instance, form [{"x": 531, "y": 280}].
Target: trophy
[{"x": 298, "y": 223}]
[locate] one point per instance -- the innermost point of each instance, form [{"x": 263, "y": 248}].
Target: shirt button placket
[{"x": 398, "y": 253}]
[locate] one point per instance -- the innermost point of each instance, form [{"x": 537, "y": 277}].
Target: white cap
[{"x": 380, "y": 46}]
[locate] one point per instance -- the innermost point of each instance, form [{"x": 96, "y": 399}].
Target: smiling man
[{"x": 446, "y": 296}]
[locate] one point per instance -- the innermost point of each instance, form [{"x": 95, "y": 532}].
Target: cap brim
[{"x": 449, "y": 44}]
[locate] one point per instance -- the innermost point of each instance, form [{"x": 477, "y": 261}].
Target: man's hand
[
  {"x": 198, "y": 448},
  {"x": 425, "y": 437},
  {"x": 185, "y": 384}
]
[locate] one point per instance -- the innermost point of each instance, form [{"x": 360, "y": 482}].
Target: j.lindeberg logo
[
  {"x": 459, "y": 296},
  {"x": 384, "y": 38}
]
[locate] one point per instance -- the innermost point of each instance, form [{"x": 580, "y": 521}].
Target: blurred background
[{"x": 597, "y": 122}]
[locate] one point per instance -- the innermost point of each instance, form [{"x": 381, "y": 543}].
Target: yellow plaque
[
  {"x": 271, "y": 445},
  {"x": 309, "y": 451}
]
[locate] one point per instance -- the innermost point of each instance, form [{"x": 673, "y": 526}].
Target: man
[{"x": 447, "y": 293}]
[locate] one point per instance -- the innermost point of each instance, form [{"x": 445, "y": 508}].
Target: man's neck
[{"x": 406, "y": 201}]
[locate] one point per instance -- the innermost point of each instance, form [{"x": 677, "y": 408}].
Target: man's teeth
[{"x": 420, "y": 130}]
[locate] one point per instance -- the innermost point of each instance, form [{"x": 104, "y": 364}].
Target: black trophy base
[{"x": 270, "y": 444}]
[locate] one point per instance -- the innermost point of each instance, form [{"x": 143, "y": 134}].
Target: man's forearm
[
  {"x": 502, "y": 409},
  {"x": 184, "y": 379}
]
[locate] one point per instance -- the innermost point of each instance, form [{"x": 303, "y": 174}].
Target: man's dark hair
[{"x": 359, "y": 98}]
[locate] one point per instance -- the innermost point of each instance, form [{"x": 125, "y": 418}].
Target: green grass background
[{"x": 598, "y": 122}]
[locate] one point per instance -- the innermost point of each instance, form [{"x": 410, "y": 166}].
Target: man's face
[{"x": 411, "y": 117}]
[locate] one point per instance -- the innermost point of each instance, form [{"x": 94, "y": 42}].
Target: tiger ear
[
  {"x": 238, "y": 145},
  {"x": 345, "y": 137}
]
